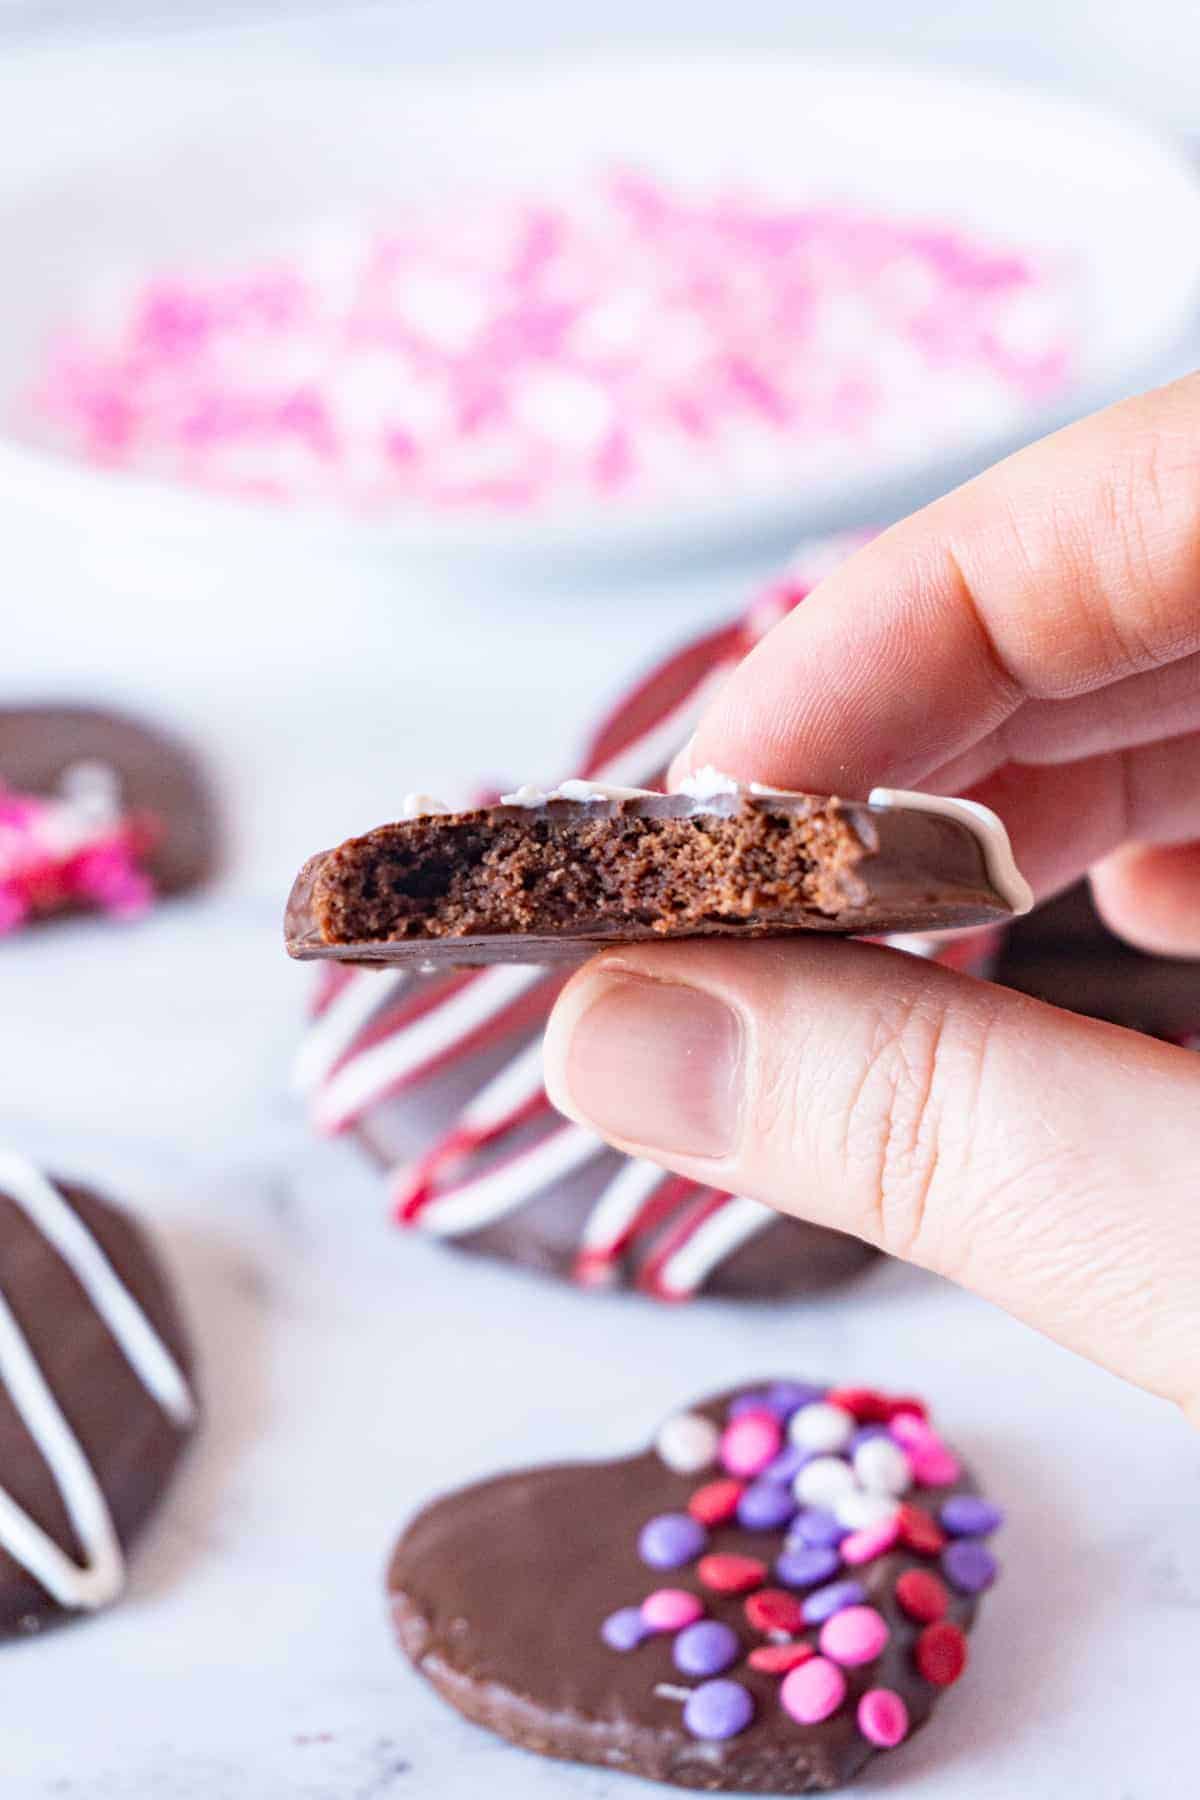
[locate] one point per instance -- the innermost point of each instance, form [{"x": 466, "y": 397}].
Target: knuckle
[{"x": 910, "y": 1119}]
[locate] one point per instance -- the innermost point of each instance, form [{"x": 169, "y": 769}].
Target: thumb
[{"x": 1045, "y": 1160}]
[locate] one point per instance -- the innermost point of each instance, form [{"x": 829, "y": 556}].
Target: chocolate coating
[
  {"x": 157, "y": 776},
  {"x": 556, "y": 881},
  {"x": 131, "y": 1444},
  {"x": 1065, "y": 954},
  {"x": 498, "y": 1593}
]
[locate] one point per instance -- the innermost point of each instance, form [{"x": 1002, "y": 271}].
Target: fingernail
[{"x": 655, "y": 1063}]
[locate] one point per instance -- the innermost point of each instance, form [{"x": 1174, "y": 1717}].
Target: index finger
[{"x": 1067, "y": 568}]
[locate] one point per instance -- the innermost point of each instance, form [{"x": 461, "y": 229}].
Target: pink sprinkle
[
  {"x": 813, "y": 1691},
  {"x": 750, "y": 1442},
  {"x": 872, "y": 1541},
  {"x": 883, "y": 1718},
  {"x": 854, "y": 1636},
  {"x": 670, "y": 1609},
  {"x": 934, "y": 1464},
  {"x": 505, "y": 354}
]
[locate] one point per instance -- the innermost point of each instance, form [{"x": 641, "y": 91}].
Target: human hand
[{"x": 1031, "y": 640}]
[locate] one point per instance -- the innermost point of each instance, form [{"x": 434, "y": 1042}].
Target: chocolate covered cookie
[
  {"x": 778, "y": 1590},
  {"x": 552, "y": 876},
  {"x": 97, "y": 813},
  {"x": 1065, "y": 954},
  {"x": 96, "y": 1400},
  {"x": 439, "y": 1075}
]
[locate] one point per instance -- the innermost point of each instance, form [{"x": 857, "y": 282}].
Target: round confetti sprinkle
[
  {"x": 671, "y": 1540},
  {"x": 726, "y": 1573},
  {"x": 718, "y": 1709},
  {"x": 868, "y": 1434},
  {"x": 827, "y": 1601},
  {"x": 821, "y": 1427},
  {"x": 922, "y": 1596},
  {"x": 670, "y": 1609},
  {"x": 766, "y": 1506},
  {"x": 920, "y": 1531},
  {"x": 968, "y": 1566},
  {"x": 787, "y": 1465},
  {"x": 716, "y": 1502},
  {"x": 941, "y": 1653},
  {"x": 750, "y": 1442},
  {"x": 882, "y": 1467},
  {"x": 823, "y": 1481},
  {"x": 859, "y": 1511},
  {"x": 872, "y": 1541},
  {"x": 771, "y": 1609},
  {"x": 817, "y": 1526},
  {"x": 883, "y": 1718},
  {"x": 706, "y": 1648},
  {"x": 625, "y": 1629},
  {"x": 806, "y": 1565},
  {"x": 868, "y": 1405},
  {"x": 907, "y": 1403},
  {"x": 813, "y": 1691},
  {"x": 777, "y": 1659},
  {"x": 787, "y": 1397},
  {"x": 854, "y": 1636},
  {"x": 753, "y": 1402},
  {"x": 688, "y": 1443},
  {"x": 969, "y": 1515}
]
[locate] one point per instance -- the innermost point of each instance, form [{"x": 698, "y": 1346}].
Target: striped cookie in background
[{"x": 439, "y": 1076}]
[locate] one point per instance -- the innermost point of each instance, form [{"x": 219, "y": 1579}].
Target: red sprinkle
[
  {"x": 920, "y": 1531},
  {"x": 777, "y": 1659},
  {"x": 730, "y": 1574},
  {"x": 942, "y": 1653},
  {"x": 907, "y": 1403},
  {"x": 771, "y": 1609},
  {"x": 868, "y": 1405},
  {"x": 716, "y": 1502},
  {"x": 922, "y": 1595}
]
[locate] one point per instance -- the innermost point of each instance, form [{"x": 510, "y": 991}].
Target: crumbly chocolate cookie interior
[{"x": 506, "y": 870}]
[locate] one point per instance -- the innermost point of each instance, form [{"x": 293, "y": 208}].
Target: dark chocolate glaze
[
  {"x": 498, "y": 1593},
  {"x": 787, "y": 1260},
  {"x": 894, "y": 869},
  {"x": 158, "y": 778},
  {"x": 130, "y": 1442},
  {"x": 1065, "y": 954}
]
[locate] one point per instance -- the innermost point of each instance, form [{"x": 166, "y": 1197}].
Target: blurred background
[{"x": 383, "y": 390}]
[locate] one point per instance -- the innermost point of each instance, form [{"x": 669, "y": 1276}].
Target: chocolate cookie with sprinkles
[{"x": 778, "y": 1590}]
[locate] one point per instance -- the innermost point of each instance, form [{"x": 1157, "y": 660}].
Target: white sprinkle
[
  {"x": 688, "y": 1443},
  {"x": 859, "y": 1511},
  {"x": 823, "y": 1481},
  {"x": 882, "y": 1467},
  {"x": 821, "y": 1427}
]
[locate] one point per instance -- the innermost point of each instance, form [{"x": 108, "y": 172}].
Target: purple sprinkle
[
  {"x": 718, "y": 1709},
  {"x": 765, "y": 1506},
  {"x": 787, "y": 1397},
  {"x": 670, "y": 1540},
  {"x": 864, "y": 1434},
  {"x": 748, "y": 1403},
  {"x": 968, "y": 1566},
  {"x": 788, "y": 1464},
  {"x": 818, "y": 1528},
  {"x": 706, "y": 1648},
  {"x": 805, "y": 1566},
  {"x": 833, "y": 1599},
  {"x": 626, "y": 1629},
  {"x": 969, "y": 1515}
]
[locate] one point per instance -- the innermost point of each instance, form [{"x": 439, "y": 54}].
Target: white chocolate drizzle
[
  {"x": 986, "y": 827},
  {"x": 100, "y": 1578}
]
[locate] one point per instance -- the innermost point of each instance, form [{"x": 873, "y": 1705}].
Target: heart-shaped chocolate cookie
[{"x": 775, "y": 1591}]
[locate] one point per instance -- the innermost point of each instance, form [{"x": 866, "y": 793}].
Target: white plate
[{"x": 111, "y": 164}]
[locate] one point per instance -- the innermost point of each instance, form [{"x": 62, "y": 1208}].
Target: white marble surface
[{"x": 350, "y": 1372}]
